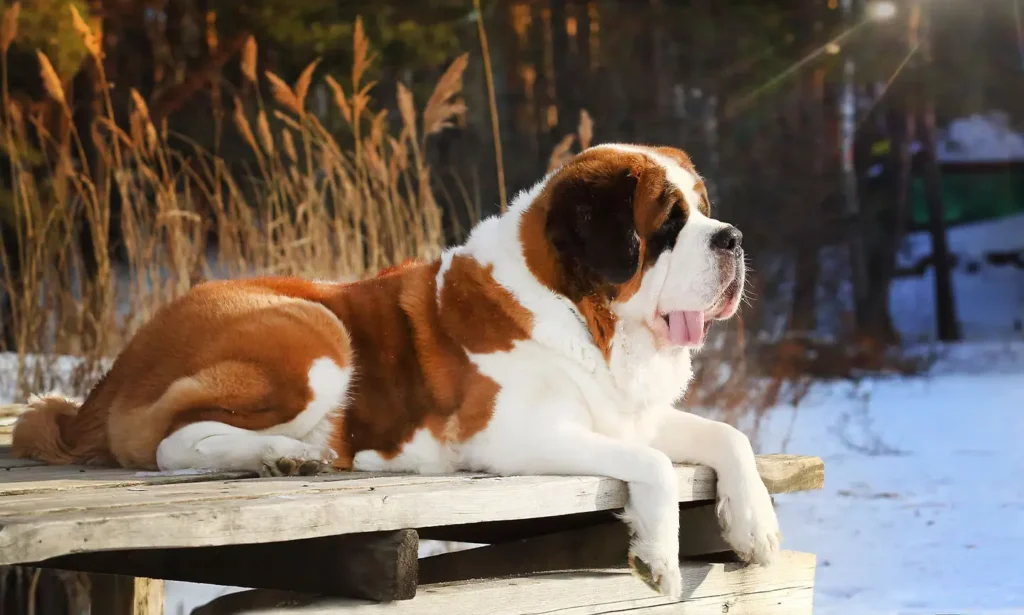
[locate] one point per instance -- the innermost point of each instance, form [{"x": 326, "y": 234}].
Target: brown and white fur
[{"x": 555, "y": 340}]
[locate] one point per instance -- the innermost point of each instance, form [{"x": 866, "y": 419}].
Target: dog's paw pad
[
  {"x": 666, "y": 582},
  {"x": 311, "y": 467},
  {"x": 287, "y": 466},
  {"x": 290, "y": 466},
  {"x": 642, "y": 571}
]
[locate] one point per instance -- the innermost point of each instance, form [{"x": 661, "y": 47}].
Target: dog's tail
[{"x": 60, "y": 430}]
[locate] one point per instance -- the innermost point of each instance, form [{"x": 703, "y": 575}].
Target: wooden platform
[{"x": 354, "y": 536}]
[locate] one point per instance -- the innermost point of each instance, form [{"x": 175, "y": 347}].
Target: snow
[
  {"x": 181, "y": 598},
  {"x": 980, "y": 138},
  {"x": 923, "y": 506},
  {"x": 989, "y": 301}
]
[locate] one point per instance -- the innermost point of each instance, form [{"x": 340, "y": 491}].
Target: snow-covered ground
[
  {"x": 923, "y": 505},
  {"x": 982, "y": 137},
  {"x": 989, "y": 301}
]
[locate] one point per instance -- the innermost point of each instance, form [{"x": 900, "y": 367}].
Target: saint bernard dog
[{"x": 555, "y": 340}]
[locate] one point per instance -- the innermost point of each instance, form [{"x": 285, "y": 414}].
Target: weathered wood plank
[
  {"x": 168, "y": 490},
  {"x": 35, "y": 527},
  {"x": 782, "y": 474},
  {"x": 785, "y": 587},
  {"x": 23, "y": 476},
  {"x": 789, "y": 601},
  {"x": 603, "y": 545},
  {"x": 35, "y": 479},
  {"x": 377, "y": 566},
  {"x": 124, "y": 595},
  {"x": 695, "y": 482},
  {"x": 791, "y": 473},
  {"x": 785, "y": 601},
  {"x": 292, "y": 516}
]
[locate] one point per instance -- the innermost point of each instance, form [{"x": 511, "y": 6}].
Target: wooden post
[
  {"x": 374, "y": 566},
  {"x": 121, "y": 595}
]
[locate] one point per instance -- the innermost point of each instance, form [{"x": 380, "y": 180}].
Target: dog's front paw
[
  {"x": 748, "y": 519},
  {"x": 658, "y": 568}
]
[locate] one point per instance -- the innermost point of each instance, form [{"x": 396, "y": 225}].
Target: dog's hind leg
[
  {"x": 234, "y": 417},
  {"x": 218, "y": 446}
]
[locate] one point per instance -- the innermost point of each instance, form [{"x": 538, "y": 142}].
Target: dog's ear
[{"x": 591, "y": 224}]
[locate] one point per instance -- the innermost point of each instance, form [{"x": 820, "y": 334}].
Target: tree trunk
[
  {"x": 809, "y": 117},
  {"x": 948, "y": 327},
  {"x": 882, "y": 222},
  {"x": 566, "y": 96},
  {"x": 945, "y": 304}
]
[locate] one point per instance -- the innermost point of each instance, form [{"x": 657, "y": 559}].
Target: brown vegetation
[{"x": 317, "y": 204}]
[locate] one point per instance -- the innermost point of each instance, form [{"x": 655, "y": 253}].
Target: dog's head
[{"x": 632, "y": 226}]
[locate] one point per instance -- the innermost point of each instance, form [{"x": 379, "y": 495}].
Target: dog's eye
[
  {"x": 676, "y": 217},
  {"x": 665, "y": 237}
]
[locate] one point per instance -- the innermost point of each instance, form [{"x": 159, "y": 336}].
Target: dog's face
[{"x": 634, "y": 224}]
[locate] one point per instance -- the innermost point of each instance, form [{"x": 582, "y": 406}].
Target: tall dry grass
[{"x": 317, "y": 203}]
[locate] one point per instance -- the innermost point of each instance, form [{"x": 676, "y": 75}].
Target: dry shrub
[
  {"x": 310, "y": 207},
  {"x": 563, "y": 151}
]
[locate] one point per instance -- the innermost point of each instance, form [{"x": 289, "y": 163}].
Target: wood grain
[
  {"x": 42, "y": 523},
  {"x": 791, "y": 473},
  {"x": 121, "y": 595},
  {"x": 33, "y": 479},
  {"x": 783, "y": 588}
]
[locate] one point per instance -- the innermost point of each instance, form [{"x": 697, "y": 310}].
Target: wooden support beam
[
  {"x": 779, "y": 473},
  {"x": 785, "y": 588},
  {"x": 378, "y": 566},
  {"x": 123, "y": 595},
  {"x": 602, "y": 545}
]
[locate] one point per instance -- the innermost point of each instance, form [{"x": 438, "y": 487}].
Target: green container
[{"x": 972, "y": 192}]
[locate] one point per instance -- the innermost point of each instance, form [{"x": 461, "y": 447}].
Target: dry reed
[
  {"x": 485, "y": 52},
  {"x": 309, "y": 206}
]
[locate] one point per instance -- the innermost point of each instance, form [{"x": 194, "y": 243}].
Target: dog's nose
[{"x": 728, "y": 239}]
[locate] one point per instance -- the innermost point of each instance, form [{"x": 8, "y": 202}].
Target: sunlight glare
[{"x": 881, "y": 11}]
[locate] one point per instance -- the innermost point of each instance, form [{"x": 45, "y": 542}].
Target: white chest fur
[{"x": 649, "y": 377}]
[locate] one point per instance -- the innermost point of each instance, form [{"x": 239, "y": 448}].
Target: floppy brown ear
[{"x": 591, "y": 224}]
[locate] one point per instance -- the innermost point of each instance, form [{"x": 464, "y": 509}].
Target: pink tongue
[{"x": 686, "y": 328}]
